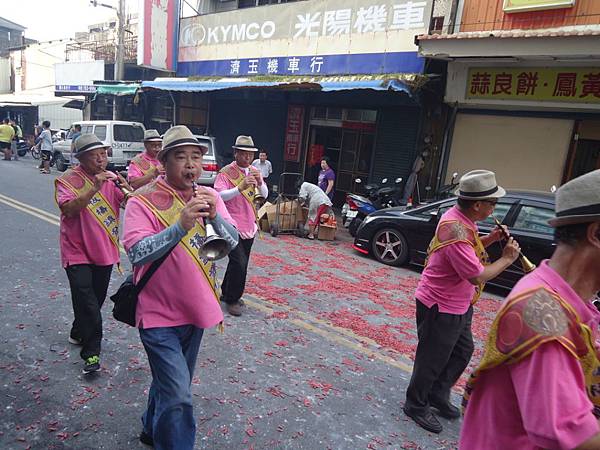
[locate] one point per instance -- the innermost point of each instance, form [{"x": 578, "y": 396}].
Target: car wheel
[
  {"x": 354, "y": 224},
  {"x": 389, "y": 247},
  {"x": 61, "y": 164}
]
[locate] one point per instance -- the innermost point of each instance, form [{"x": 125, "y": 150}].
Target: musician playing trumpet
[
  {"x": 89, "y": 198},
  {"x": 180, "y": 300},
  {"x": 456, "y": 270},
  {"x": 238, "y": 184}
]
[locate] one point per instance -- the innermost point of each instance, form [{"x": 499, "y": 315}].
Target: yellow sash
[
  {"x": 236, "y": 176},
  {"x": 166, "y": 204},
  {"x": 143, "y": 164},
  {"x": 531, "y": 319},
  {"x": 78, "y": 183},
  {"x": 453, "y": 231}
]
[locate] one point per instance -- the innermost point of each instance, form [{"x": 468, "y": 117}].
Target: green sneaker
[{"x": 92, "y": 364}]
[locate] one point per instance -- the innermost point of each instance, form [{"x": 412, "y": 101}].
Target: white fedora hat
[
  {"x": 152, "y": 136},
  {"x": 244, "y": 143},
  {"x": 578, "y": 201},
  {"x": 87, "y": 143},
  {"x": 179, "y": 136},
  {"x": 479, "y": 185}
]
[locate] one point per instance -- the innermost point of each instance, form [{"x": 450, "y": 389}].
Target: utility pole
[
  {"x": 119, "y": 72},
  {"x": 120, "y": 56}
]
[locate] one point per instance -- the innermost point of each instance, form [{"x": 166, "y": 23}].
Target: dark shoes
[
  {"x": 425, "y": 420},
  {"x": 235, "y": 309},
  {"x": 145, "y": 438},
  {"x": 445, "y": 409},
  {"x": 91, "y": 364}
]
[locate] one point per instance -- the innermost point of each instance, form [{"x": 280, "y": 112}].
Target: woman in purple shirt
[{"x": 326, "y": 177}]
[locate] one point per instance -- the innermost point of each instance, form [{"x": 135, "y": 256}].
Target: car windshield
[{"x": 128, "y": 133}]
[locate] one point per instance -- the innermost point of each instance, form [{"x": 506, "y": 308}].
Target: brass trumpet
[
  {"x": 214, "y": 247},
  {"x": 526, "y": 265}
]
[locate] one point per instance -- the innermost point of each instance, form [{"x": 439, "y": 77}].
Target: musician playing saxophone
[
  {"x": 238, "y": 184},
  {"x": 180, "y": 300},
  {"x": 454, "y": 274}
]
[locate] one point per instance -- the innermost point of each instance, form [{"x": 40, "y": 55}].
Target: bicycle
[{"x": 36, "y": 153}]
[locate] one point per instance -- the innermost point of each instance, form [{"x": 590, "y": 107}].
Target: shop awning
[
  {"x": 117, "y": 89},
  {"x": 325, "y": 84}
]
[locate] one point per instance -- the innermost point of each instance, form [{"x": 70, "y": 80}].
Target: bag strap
[{"x": 153, "y": 268}]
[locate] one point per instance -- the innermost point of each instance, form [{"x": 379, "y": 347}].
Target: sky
[{"x": 48, "y": 20}]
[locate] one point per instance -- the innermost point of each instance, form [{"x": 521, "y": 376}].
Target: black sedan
[{"x": 397, "y": 237}]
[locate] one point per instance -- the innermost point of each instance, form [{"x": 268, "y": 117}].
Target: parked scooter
[{"x": 357, "y": 207}]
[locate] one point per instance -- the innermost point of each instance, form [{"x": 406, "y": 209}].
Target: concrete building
[{"x": 523, "y": 82}]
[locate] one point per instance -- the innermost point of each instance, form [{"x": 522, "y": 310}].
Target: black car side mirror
[{"x": 434, "y": 216}]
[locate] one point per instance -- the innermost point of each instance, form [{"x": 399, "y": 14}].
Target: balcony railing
[{"x": 101, "y": 50}]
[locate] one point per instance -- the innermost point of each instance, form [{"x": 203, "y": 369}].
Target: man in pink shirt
[
  {"x": 145, "y": 167},
  {"x": 238, "y": 183},
  {"x": 538, "y": 384},
  {"x": 180, "y": 300},
  {"x": 89, "y": 202},
  {"x": 451, "y": 282}
]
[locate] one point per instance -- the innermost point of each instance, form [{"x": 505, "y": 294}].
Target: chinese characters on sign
[
  {"x": 293, "y": 133},
  {"x": 579, "y": 85}
]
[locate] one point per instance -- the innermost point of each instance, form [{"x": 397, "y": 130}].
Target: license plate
[{"x": 351, "y": 214}]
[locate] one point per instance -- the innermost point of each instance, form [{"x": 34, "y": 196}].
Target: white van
[{"x": 125, "y": 141}]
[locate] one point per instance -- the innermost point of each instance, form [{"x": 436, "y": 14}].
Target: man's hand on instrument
[
  {"x": 257, "y": 175},
  {"x": 248, "y": 181},
  {"x": 100, "y": 178},
  {"x": 196, "y": 208},
  {"x": 123, "y": 182},
  {"x": 497, "y": 235},
  {"x": 511, "y": 250},
  {"x": 209, "y": 200}
]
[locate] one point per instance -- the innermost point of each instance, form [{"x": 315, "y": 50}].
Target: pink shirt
[
  {"x": 134, "y": 171},
  {"x": 539, "y": 402},
  {"x": 178, "y": 293},
  {"x": 239, "y": 208},
  {"x": 82, "y": 239},
  {"x": 445, "y": 280}
]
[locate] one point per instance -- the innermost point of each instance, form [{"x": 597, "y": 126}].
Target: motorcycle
[
  {"x": 22, "y": 147},
  {"x": 358, "y": 207}
]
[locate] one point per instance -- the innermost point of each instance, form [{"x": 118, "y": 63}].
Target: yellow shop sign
[
  {"x": 560, "y": 84},
  {"x": 533, "y": 5}
]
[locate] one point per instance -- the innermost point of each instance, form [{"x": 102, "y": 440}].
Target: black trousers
[
  {"x": 443, "y": 353},
  {"x": 89, "y": 284},
  {"x": 234, "y": 281}
]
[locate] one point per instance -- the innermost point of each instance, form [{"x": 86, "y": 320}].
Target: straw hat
[
  {"x": 86, "y": 143},
  {"x": 578, "y": 201},
  {"x": 244, "y": 143},
  {"x": 479, "y": 185},
  {"x": 179, "y": 136},
  {"x": 152, "y": 136}
]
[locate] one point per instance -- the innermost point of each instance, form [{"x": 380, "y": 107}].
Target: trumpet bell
[
  {"x": 526, "y": 265},
  {"x": 214, "y": 248}
]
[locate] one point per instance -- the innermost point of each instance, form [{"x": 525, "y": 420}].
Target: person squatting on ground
[
  {"x": 145, "y": 167},
  {"x": 238, "y": 183},
  {"x": 89, "y": 203},
  {"x": 318, "y": 203},
  {"x": 537, "y": 385},
  {"x": 452, "y": 281},
  {"x": 180, "y": 299}
]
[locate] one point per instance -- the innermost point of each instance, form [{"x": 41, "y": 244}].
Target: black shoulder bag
[{"x": 126, "y": 297}]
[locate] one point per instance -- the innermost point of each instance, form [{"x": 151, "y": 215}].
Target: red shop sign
[{"x": 293, "y": 133}]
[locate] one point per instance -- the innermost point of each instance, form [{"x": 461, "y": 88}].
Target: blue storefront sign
[
  {"x": 367, "y": 63},
  {"x": 77, "y": 89}
]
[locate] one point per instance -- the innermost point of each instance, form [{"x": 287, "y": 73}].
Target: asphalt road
[{"x": 298, "y": 370}]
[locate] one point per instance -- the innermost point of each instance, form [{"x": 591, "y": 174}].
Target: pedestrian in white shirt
[{"x": 264, "y": 165}]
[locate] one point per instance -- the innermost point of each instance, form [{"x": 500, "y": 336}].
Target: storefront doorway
[
  {"x": 584, "y": 155},
  {"x": 347, "y": 138}
]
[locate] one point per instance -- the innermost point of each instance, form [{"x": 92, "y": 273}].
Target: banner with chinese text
[
  {"x": 560, "y": 84},
  {"x": 293, "y": 133},
  {"x": 317, "y": 37}
]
